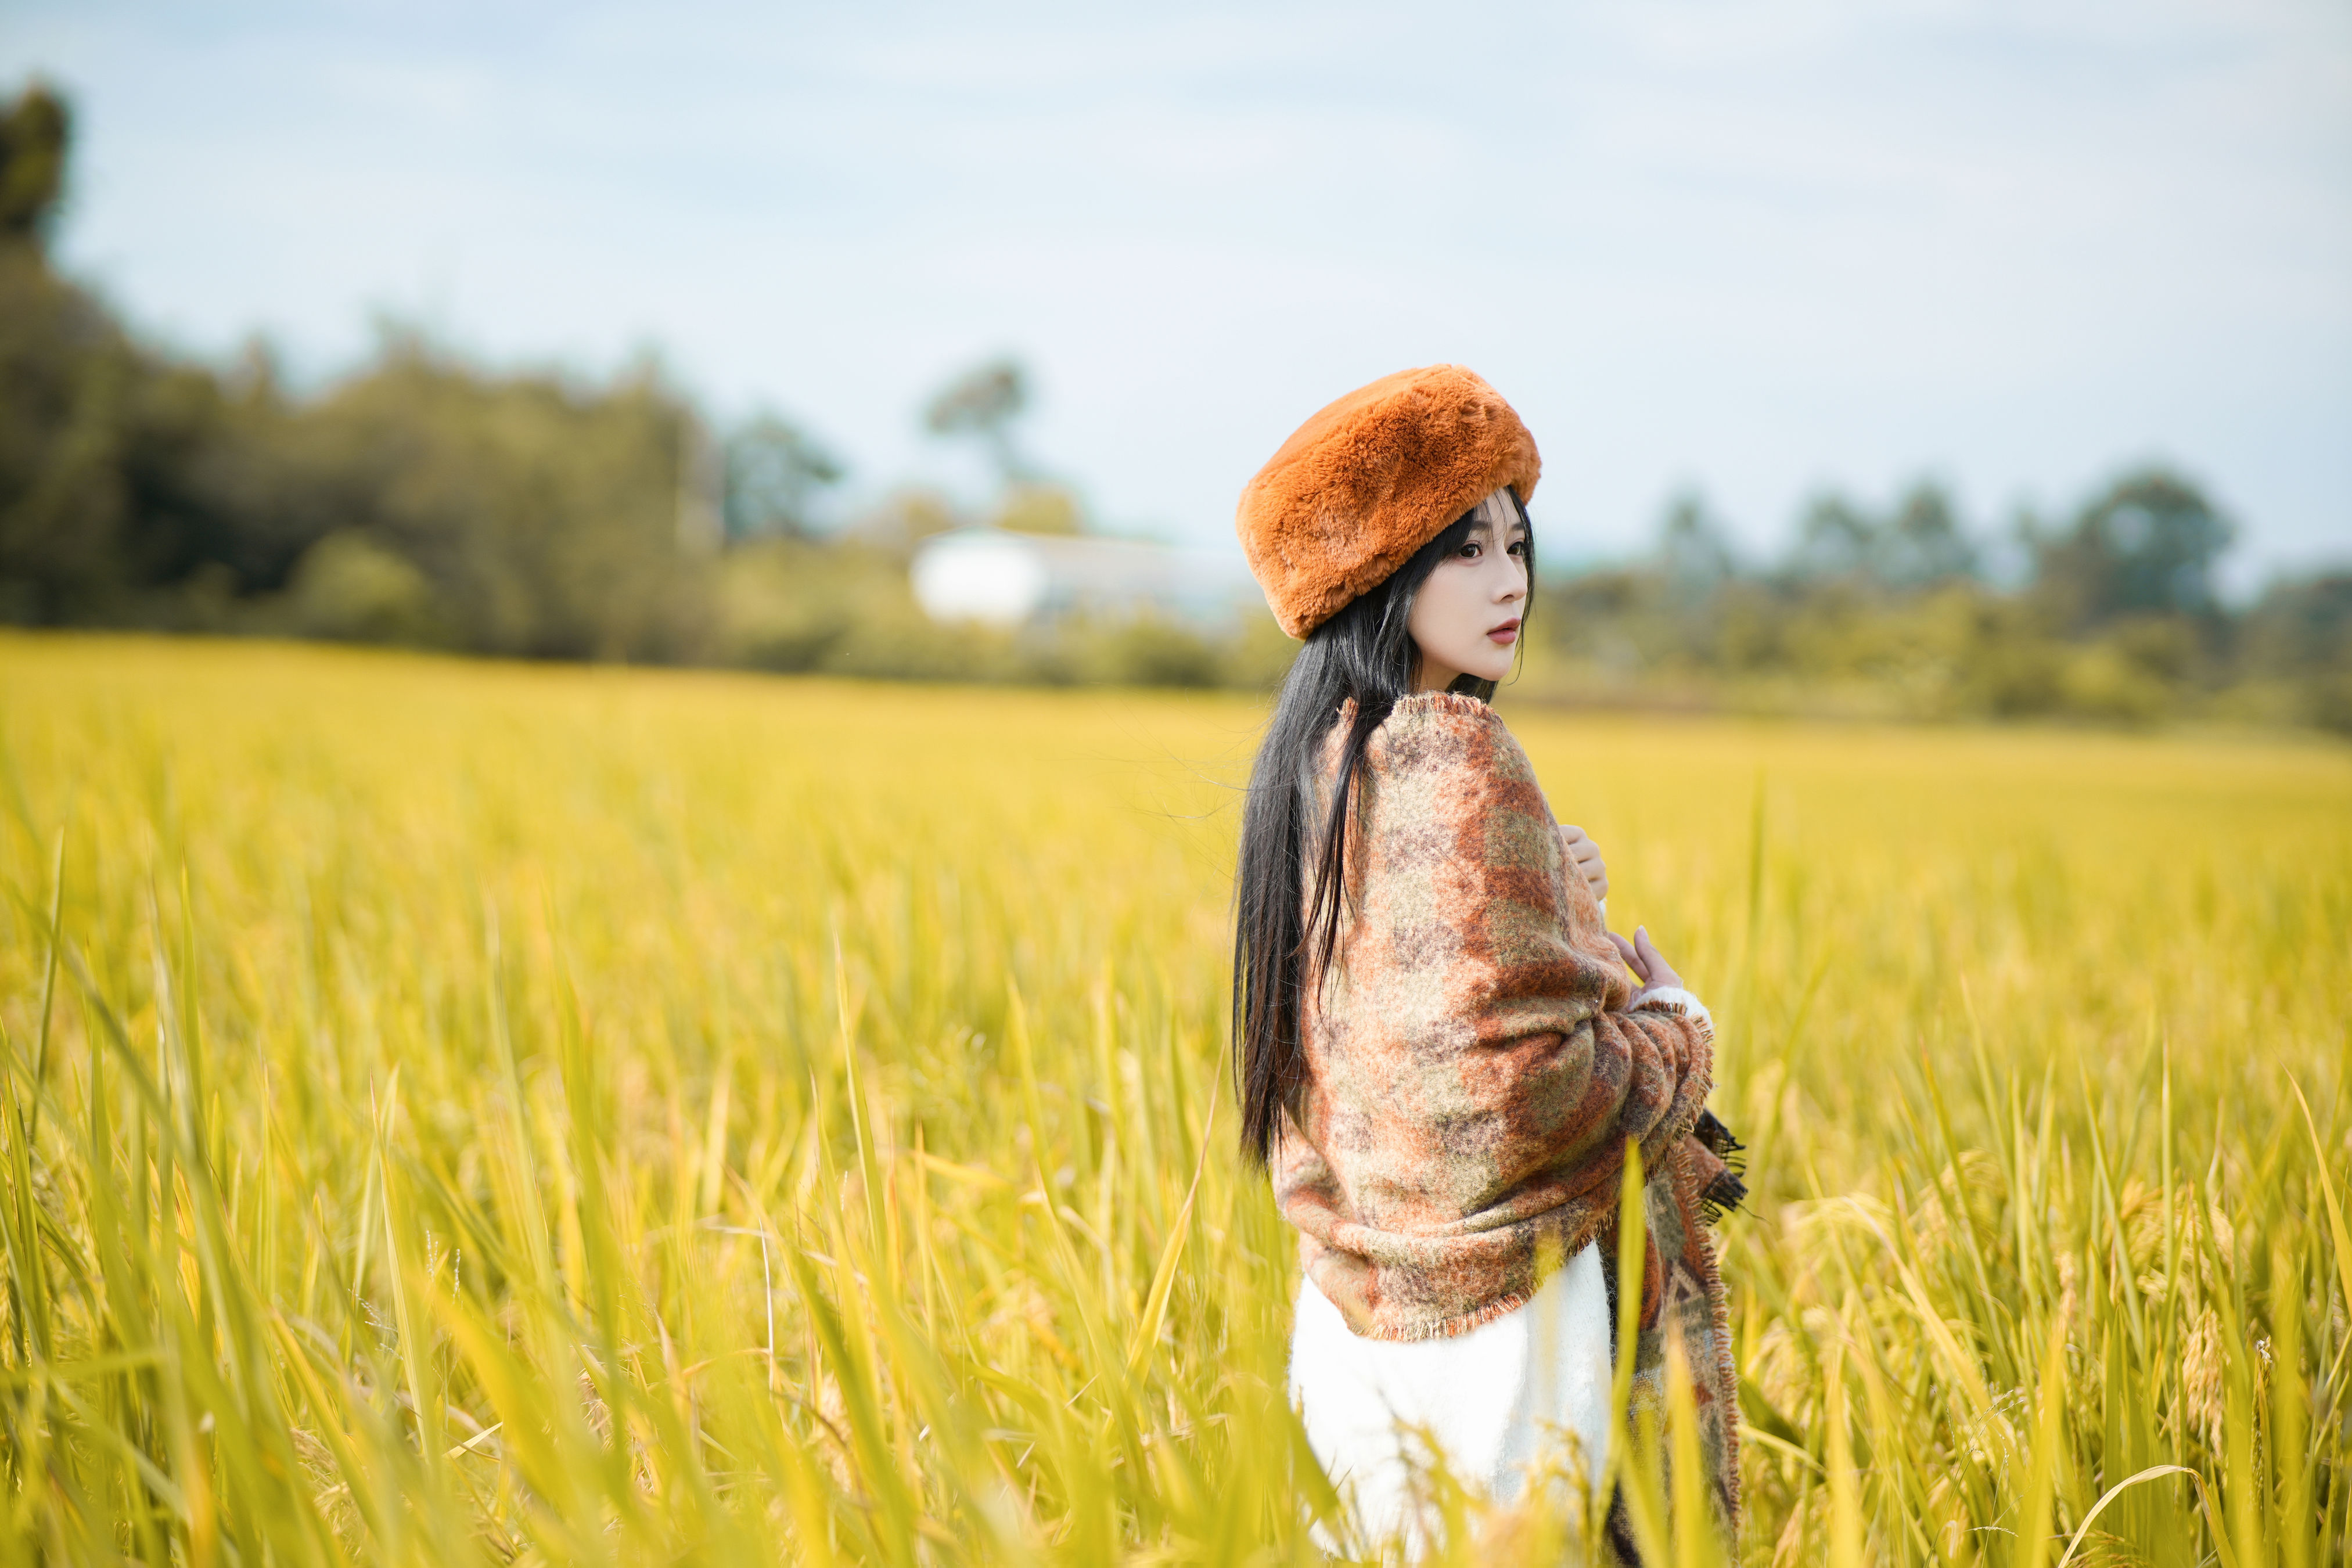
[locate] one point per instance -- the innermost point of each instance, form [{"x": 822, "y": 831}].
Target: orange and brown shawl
[{"x": 1474, "y": 1070}]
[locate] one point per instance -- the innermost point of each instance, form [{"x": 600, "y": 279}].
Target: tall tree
[
  {"x": 1835, "y": 539},
  {"x": 65, "y": 374},
  {"x": 984, "y": 401},
  {"x": 772, "y": 469},
  {"x": 1693, "y": 547},
  {"x": 1923, "y": 542},
  {"x": 2145, "y": 545},
  {"x": 34, "y": 134},
  {"x": 1920, "y": 543}
]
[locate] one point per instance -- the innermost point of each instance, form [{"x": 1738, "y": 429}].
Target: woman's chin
[{"x": 1485, "y": 663}]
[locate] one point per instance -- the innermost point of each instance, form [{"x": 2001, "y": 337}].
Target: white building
[{"x": 1005, "y": 578}]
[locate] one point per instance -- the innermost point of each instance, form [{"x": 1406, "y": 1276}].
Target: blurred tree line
[
  {"x": 425, "y": 500},
  {"x": 2116, "y": 616},
  {"x": 415, "y": 502}
]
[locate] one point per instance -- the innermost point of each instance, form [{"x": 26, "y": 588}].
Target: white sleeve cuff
[{"x": 1674, "y": 999}]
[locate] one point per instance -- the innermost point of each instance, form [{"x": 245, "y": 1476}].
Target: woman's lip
[{"x": 1507, "y": 632}]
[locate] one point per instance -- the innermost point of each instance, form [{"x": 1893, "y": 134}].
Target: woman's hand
[
  {"x": 1647, "y": 962},
  {"x": 1585, "y": 856}
]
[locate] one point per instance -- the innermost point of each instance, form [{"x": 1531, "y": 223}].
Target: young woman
[{"x": 1441, "y": 1054}]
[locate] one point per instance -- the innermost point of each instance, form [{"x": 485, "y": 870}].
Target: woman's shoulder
[
  {"x": 1440, "y": 744},
  {"x": 1453, "y": 798},
  {"x": 1446, "y": 732}
]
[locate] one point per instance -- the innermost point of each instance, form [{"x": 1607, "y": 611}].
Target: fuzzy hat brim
[{"x": 1372, "y": 479}]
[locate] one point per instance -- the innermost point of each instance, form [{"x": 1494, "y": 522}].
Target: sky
[{"x": 1757, "y": 247}]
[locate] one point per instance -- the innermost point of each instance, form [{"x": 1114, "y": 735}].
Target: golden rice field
[{"x": 460, "y": 1113}]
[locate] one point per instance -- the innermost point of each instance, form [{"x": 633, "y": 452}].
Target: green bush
[
  {"x": 2327, "y": 703},
  {"x": 348, "y": 588}
]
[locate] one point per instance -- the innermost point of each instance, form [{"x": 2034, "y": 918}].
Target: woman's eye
[{"x": 1470, "y": 552}]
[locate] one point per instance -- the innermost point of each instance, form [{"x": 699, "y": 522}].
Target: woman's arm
[
  {"x": 1712, "y": 1147},
  {"x": 1473, "y": 931}
]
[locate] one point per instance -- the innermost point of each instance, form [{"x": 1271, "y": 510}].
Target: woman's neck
[{"x": 1428, "y": 675}]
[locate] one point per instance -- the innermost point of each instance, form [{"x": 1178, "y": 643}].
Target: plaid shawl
[{"x": 1474, "y": 1070}]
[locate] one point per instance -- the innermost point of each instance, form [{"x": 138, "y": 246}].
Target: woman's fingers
[
  {"x": 1648, "y": 964},
  {"x": 1634, "y": 961},
  {"x": 1653, "y": 969},
  {"x": 1585, "y": 856}
]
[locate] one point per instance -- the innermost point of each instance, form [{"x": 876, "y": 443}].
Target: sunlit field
[{"x": 479, "y": 1113}]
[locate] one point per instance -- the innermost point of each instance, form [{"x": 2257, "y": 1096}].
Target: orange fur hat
[{"x": 1372, "y": 479}]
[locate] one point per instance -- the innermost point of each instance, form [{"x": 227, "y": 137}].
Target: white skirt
[{"x": 1496, "y": 1399}]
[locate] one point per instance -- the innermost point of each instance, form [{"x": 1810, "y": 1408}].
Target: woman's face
[{"x": 1466, "y": 618}]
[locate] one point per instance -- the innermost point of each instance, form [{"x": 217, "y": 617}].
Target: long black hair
[{"x": 1283, "y": 941}]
